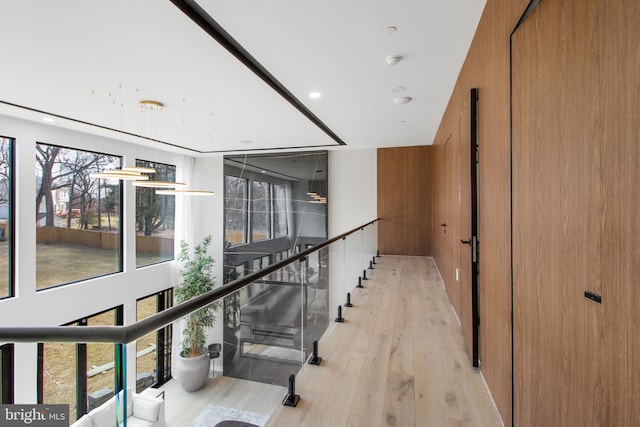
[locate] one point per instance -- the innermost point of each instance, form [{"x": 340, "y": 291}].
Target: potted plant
[{"x": 196, "y": 278}]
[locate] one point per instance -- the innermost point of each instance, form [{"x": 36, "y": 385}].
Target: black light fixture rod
[{"x": 219, "y": 34}]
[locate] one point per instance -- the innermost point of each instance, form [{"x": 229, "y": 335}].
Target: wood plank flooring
[{"x": 399, "y": 359}]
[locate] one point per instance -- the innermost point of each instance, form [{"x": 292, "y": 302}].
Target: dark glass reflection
[{"x": 275, "y": 205}]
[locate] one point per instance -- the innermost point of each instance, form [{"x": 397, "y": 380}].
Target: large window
[
  {"x": 155, "y": 217},
  {"x": 153, "y": 365},
  {"x": 78, "y": 216},
  {"x": 260, "y": 210},
  {"x": 235, "y": 210},
  {"x": 6, "y": 203}
]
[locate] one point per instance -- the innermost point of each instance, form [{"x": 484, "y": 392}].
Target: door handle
[{"x": 465, "y": 242}]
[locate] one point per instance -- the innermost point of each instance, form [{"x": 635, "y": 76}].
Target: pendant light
[
  {"x": 185, "y": 192},
  {"x": 158, "y": 184},
  {"x": 120, "y": 174}
]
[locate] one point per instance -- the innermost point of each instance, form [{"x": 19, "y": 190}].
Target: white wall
[
  {"x": 352, "y": 189},
  {"x": 352, "y": 202},
  {"x": 205, "y": 215}
]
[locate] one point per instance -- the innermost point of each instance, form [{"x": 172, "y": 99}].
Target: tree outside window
[
  {"x": 77, "y": 216},
  {"x": 155, "y": 218}
]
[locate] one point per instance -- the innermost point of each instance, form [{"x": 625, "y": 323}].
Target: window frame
[
  {"x": 8, "y": 376},
  {"x": 142, "y": 162},
  {"x": 11, "y": 291},
  {"x": 81, "y": 379},
  {"x": 164, "y": 300}
]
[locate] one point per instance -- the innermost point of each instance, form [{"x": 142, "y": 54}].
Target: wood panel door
[
  {"x": 468, "y": 227},
  {"x": 556, "y": 211}
]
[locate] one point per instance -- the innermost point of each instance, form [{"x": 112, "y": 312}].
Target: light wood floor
[
  {"x": 181, "y": 408},
  {"x": 398, "y": 360}
]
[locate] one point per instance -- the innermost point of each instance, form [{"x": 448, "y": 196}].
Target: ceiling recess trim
[
  {"x": 107, "y": 128},
  {"x": 211, "y": 27}
]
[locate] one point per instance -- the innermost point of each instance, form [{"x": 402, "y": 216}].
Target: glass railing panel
[
  {"x": 356, "y": 262},
  {"x": 370, "y": 240},
  {"x": 266, "y": 330},
  {"x": 316, "y": 310}
]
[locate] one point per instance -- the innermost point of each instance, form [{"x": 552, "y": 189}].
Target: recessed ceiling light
[
  {"x": 391, "y": 29},
  {"x": 392, "y": 60},
  {"x": 398, "y": 89},
  {"x": 48, "y": 119},
  {"x": 314, "y": 95},
  {"x": 402, "y": 100},
  {"x": 263, "y": 171}
]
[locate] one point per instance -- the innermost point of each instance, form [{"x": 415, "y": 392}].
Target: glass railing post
[
  {"x": 345, "y": 267},
  {"x": 120, "y": 373}
]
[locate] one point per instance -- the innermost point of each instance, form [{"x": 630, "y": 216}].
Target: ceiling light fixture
[
  {"x": 391, "y": 29},
  {"x": 402, "y": 100},
  {"x": 138, "y": 169},
  {"x": 48, "y": 119},
  {"x": 185, "y": 192},
  {"x": 158, "y": 184},
  {"x": 151, "y": 105},
  {"x": 315, "y": 95},
  {"x": 120, "y": 174}
]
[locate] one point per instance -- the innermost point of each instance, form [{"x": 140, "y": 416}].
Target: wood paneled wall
[
  {"x": 576, "y": 179},
  {"x": 575, "y": 216},
  {"x": 487, "y": 68},
  {"x": 405, "y": 200},
  {"x": 578, "y": 183}
]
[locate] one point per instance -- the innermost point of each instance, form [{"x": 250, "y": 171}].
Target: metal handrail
[{"x": 129, "y": 333}]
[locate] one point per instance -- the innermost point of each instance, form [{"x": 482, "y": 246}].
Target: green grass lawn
[{"x": 60, "y": 263}]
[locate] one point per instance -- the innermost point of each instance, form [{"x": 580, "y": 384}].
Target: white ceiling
[{"x": 93, "y": 61}]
